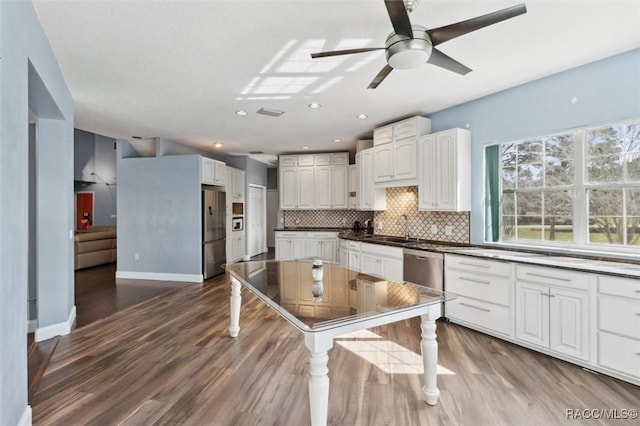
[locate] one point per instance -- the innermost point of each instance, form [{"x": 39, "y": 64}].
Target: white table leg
[
  {"x": 318, "y": 378},
  {"x": 430, "y": 359},
  {"x": 236, "y": 298}
]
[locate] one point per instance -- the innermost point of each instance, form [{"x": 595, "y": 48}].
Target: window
[{"x": 578, "y": 187}]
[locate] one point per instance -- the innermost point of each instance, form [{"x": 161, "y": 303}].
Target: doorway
[
  {"x": 84, "y": 210},
  {"x": 256, "y": 219}
]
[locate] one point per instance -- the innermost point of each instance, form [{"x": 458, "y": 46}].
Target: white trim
[
  {"x": 59, "y": 329},
  {"x": 32, "y": 325},
  {"x": 160, "y": 276},
  {"x": 25, "y": 419}
]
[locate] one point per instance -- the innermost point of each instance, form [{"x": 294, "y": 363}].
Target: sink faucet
[{"x": 406, "y": 226}]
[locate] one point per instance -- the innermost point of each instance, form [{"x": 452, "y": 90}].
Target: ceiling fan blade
[
  {"x": 441, "y": 60},
  {"x": 448, "y": 32},
  {"x": 344, "y": 52},
  {"x": 384, "y": 72},
  {"x": 399, "y": 17}
]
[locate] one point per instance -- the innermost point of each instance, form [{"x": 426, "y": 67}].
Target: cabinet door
[
  {"x": 238, "y": 185},
  {"x": 532, "y": 313},
  {"x": 569, "y": 320},
  {"x": 237, "y": 246},
  {"x": 283, "y": 249},
  {"x": 446, "y": 171},
  {"x": 328, "y": 249},
  {"x": 288, "y": 188},
  {"x": 382, "y": 135},
  {"x": 391, "y": 269},
  {"x": 427, "y": 173},
  {"x": 208, "y": 171},
  {"x": 352, "y": 185},
  {"x": 365, "y": 179},
  {"x": 306, "y": 196},
  {"x": 354, "y": 261},
  {"x": 298, "y": 249},
  {"x": 339, "y": 183},
  {"x": 220, "y": 172},
  {"x": 370, "y": 264},
  {"x": 405, "y": 158},
  {"x": 322, "y": 186},
  {"x": 383, "y": 163},
  {"x": 343, "y": 257},
  {"x": 314, "y": 248}
]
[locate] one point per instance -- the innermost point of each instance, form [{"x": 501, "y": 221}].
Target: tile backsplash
[
  {"x": 404, "y": 200},
  {"x": 324, "y": 218},
  {"x": 401, "y": 200}
]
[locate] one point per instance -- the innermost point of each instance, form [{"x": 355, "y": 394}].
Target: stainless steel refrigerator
[{"x": 214, "y": 230}]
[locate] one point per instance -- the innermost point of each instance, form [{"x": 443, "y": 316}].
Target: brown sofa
[{"x": 96, "y": 246}]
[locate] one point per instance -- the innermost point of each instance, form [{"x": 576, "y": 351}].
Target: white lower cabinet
[
  {"x": 237, "y": 245},
  {"x": 353, "y": 255},
  {"x": 290, "y": 245},
  {"x": 619, "y": 326},
  {"x": 322, "y": 245},
  {"x": 483, "y": 288},
  {"x": 382, "y": 261},
  {"x": 552, "y": 309}
]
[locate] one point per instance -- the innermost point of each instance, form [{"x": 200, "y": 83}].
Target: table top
[{"x": 340, "y": 297}]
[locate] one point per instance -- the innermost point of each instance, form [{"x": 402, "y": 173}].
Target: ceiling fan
[{"x": 410, "y": 46}]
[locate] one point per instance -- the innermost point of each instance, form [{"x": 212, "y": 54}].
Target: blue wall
[{"x": 606, "y": 90}]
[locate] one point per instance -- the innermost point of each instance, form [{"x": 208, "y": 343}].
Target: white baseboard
[
  {"x": 32, "y": 325},
  {"x": 25, "y": 420},
  {"x": 159, "y": 276},
  {"x": 59, "y": 329}
]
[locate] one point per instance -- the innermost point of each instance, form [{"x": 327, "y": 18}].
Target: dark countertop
[{"x": 307, "y": 229}]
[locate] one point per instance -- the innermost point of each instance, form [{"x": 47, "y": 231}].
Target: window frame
[{"x": 579, "y": 190}]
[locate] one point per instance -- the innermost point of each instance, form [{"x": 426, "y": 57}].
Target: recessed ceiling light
[
  {"x": 337, "y": 140},
  {"x": 305, "y": 147},
  {"x": 362, "y": 116},
  {"x": 241, "y": 112},
  {"x": 314, "y": 105},
  {"x": 218, "y": 145}
]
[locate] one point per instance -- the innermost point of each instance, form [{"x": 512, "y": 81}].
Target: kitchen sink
[{"x": 388, "y": 239}]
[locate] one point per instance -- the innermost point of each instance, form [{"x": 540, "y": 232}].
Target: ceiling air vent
[{"x": 270, "y": 112}]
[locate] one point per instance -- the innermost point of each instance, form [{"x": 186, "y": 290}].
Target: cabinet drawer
[
  {"x": 486, "y": 315},
  {"x": 353, "y": 245},
  {"x": 625, "y": 287},
  {"x": 554, "y": 276},
  {"x": 619, "y": 316},
  {"x": 381, "y": 250},
  {"x": 483, "y": 287},
  {"x": 469, "y": 263},
  {"x": 305, "y": 160},
  {"x": 382, "y": 135},
  {"x": 619, "y": 353},
  {"x": 343, "y": 243},
  {"x": 280, "y": 234},
  {"x": 288, "y": 161},
  {"x": 322, "y": 159},
  {"x": 321, "y": 235},
  {"x": 340, "y": 158}
]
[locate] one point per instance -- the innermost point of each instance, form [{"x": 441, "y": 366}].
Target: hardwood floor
[{"x": 169, "y": 361}]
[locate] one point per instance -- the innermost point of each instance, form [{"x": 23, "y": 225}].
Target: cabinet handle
[
  {"x": 475, "y": 264},
  {"x": 475, "y": 280},
  {"x": 637, "y": 291},
  {"x": 551, "y": 277},
  {"x": 551, "y": 295},
  {"x": 475, "y": 307}
]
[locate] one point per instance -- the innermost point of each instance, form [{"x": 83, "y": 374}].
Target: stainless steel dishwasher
[{"x": 424, "y": 268}]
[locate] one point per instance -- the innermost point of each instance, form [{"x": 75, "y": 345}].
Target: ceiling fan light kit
[{"x": 410, "y": 46}]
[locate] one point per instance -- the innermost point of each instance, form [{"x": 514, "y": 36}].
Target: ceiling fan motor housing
[{"x": 405, "y": 53}]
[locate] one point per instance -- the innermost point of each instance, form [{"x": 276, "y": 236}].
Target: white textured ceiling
[{"x": 180, "y": 69}]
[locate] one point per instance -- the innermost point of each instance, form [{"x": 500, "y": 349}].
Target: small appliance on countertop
[
  {"x": 357, "y": 226},
  {"x": 368, "y": 226}
]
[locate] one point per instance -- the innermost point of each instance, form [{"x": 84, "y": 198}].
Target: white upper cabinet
[
  {"x": 368, "y": 196},
  {"x": 395, "y": 160},
  {"x": 235, "y": 185},
  {"x": 444, "y": 171},
  {"x": 213, "y": 172},
  {"x": 319, "y": 181}
]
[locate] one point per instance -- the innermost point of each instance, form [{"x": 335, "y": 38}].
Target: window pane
[
  {"x": 633, "y": 231},
  {"x": 606, "y": 230},
  {"x": 633, "y": 201},
  {"x": 606, "y": 169},
  {"x": 632, "y": 139},
  {"x": 508, "y": 227},
  {"x": 605, "y": 202},
  {"x": 530, "y": 176},
  {"x": 633, "y": 167},
  {"x": 558, "y": 203},
  {"x": 605, "y": 140},
  {"x": 509, "y": 178},
  {"x": 529, "y": 204},
  {"x": 509, "y": 151},
  {"x": 508, "y": 204},
  {"x": 530, "y": 152},
  {"x": 559, "y": 160},
  {"x": 529, "y": 227},
  {"x": 633, "y": 216}
]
